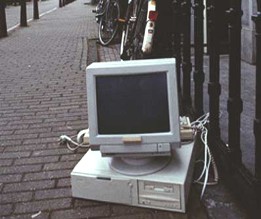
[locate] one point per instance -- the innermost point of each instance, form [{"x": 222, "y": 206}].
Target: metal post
[
  {"x": 186, "y": 63},
  {"x": 3, "y": 26},
  {"x": 257, "y": 121},
  {"x": 23, "y": 16},
  {"x": 36, "y": 10},
  {"x": 62, "y": 3},
  {"x": 177, "y": 39},
  {"x": 214, "y": 87},
  {"x": 234, "y": 103},
  {"x": 199, "y": 75}
]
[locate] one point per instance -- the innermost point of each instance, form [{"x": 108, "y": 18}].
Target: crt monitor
[{"x": 133, "y": 107}]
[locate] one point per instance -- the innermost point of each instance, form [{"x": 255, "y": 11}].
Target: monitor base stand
[
  {"x": 167, "y": 189},
  {"x": 138, "y": 166}
]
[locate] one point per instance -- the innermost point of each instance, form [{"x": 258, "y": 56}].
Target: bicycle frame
[
  {"x": 99, "y": 10},
  {"x": 152, "y": 16},
  {"x": 134, "y": 7}
]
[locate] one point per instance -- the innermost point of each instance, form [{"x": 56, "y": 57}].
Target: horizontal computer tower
[{"x": 166, "y": 189}]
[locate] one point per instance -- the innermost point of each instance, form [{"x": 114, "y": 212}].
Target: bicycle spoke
[{"x": 109, "y": 22}]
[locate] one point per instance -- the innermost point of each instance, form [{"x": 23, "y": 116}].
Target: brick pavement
[{"x": 43, "y": 95}]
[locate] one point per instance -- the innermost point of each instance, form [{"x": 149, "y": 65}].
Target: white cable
[
  {"x": 73, "y": 145},
  {"x": 81, "y": 134},
  {"x": 200, "y": 125}
]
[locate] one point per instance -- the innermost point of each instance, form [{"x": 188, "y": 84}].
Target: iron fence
[{"x": 242, "y": 181}]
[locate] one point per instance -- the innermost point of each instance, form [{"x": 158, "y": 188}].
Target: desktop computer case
[{"x": 167, "y": 189}]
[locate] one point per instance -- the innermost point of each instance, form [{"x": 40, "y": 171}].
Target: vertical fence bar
[
  {"x": 23, "y": 16},
  {"x": 177, "y": 39},
  {"x": 186, "y": 62},
  {"x": 234, "y": 103},
  {"x": 257, "y": 121},
  {"x": 36, "y": 10},
  {"x": 214, "y": 87},
  {"x": 199, "y": 76},
  {"x": 60, "y": 3},
  {"x": 3, "y": 26}
]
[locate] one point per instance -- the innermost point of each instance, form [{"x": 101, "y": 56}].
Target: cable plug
[
  {"x": 63, "y": 139},
  {"x": 74, "y": 145}
]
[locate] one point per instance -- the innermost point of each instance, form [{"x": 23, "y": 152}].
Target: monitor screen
[
  {"x": 133, "y": 107},
  {"x": 132, "y": 104}
]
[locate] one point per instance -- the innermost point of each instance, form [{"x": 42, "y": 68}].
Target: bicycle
[
  {"x": 138, "y": 29},
  {"x": 107, "y": 16}
]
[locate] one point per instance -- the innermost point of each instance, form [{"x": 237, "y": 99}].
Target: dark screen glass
[{"x": 132, "y": 104}]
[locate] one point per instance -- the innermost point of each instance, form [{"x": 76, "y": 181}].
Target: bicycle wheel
[{"x": 108, "y": 25}]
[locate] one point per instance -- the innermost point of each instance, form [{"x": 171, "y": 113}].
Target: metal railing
[{"x": 245, "y": 184}]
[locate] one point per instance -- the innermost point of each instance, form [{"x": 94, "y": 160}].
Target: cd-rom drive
[{"x": 167, "y": 189}]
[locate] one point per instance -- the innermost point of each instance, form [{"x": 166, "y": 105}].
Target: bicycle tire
[{"x": 108, "y": 24}]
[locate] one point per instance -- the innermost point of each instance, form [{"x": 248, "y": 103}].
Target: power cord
[
  {"x": 200, "y": 126},
  {"x": 72, "y": 144}
]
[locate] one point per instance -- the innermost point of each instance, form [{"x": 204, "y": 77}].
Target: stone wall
[{"x": 248, "y": 31}]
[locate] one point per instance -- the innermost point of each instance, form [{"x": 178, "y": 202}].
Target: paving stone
[
  {"x": 38, "y": 215},
  {"x": 36, "y": 160},
  {"x": 49, "y": 152},
  {"x": 30, "y": 207},
  {"x": 64, "y": 182},
  {"x": 5, "y": 209},
  {"x": 10, "y": 178},
  {"x": 20, "y": 169},
  {"x": 28, "y": 186},
  {"x": 18, "y": 197},
  {"x": 27, "y": 148},
  {"x": 91, "y": 212},
  {"x": 5, "y": 162},
  {"x": 46, "y": 175},
  {"x": 8, "y": 155},
  {"x": 53, "y": 193},
  {"x": 136, "y": 216},
  {"x": 60, "y": 165},
  {"x": 70, "y": 157},
  {"x": 11, "y": 142}
]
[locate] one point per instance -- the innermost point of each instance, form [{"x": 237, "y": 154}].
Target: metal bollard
[
  {"x": 36, "y": 10},
  {"x": 3, "y": 26},
  {"x": 23, "y": 16}
]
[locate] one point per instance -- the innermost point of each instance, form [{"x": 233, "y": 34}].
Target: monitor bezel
[{"x": 128, "y": 68}]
